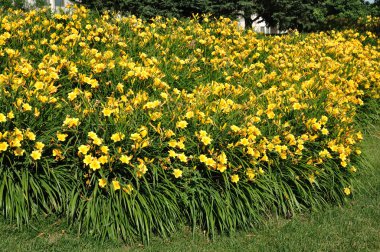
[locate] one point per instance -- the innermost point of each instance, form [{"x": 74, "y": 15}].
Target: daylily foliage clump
[{"x": 130, "y": 127}]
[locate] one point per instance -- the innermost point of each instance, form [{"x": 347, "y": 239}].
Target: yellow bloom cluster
[{"x": 123, "y": 97}]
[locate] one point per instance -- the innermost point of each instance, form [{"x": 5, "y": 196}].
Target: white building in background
[
  {"x": 259, "y": 26},
  {"x": 54, "y": 4},
  {"x": 58, "y": 3}
]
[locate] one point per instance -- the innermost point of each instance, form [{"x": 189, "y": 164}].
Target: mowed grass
[{"x": 352, "y": 227}]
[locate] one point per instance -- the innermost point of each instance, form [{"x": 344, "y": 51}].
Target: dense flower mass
[{"x": 123, "y": 100}]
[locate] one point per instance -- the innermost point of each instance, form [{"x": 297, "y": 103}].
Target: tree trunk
[{"x": 247, "y": 21}]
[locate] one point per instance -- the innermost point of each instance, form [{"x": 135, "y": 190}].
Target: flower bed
[{"x": 130, "y": 127}]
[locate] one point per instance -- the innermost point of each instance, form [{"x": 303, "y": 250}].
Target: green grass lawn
[{"x": 353, "y": 227}]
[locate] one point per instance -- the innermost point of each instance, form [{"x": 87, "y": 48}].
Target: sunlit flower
[
  {"x": 182, "y": 157},
  {"x": 94, "y": 164},
  {"x": 104, "y": 149},
  {"x": 135, "y": 137},
  {"x": 3, "y": 146},
  {"x": 203, "y": 158},
  {"x": 30, "y": 135},
  {"x": 271, "y": 114},
  {"x": 210, "y": 162},
  {"x": 36, "y": 154},
  {"x": 71, "y": 122},
  {"x": 125, "y": 159},
  {"x": 142, "y": 169},
  {"x": 169, "y": 133},
  {"x": 235, "y": 128},
  {"x": 26, "y": 107},
  {"x": 189, "y": 114},
  {"x": 206, "y": 140},
  {"x": 325, "y": 131},
  {"x": 3, "y": 118},
  {"x": 10, "y": 115},
  {"x": 98, "y": 141},
  {"x": 116, "y": 185},
  {"x": 234, "y": 178},
  {"x": 107, "y": 111},
  {"x": 250, "y": 174},
  {"x": 103, "y": 159},
  {"x": 222, "y": 158},
  {"x": 297, "y": 106},
  {"x": 83, "y": 149},
  {"x": 244, "y": 141},
  {"x": 177, "y": 173},
  {"x": 181, "y": 124},
  {"x": 39, "y": 145},
  {"x": 87, "y": 159},
  {"x": 117, "y": 137},
  {"x": 39, "y": 85},
  {"x": 61, "y": 137},
  {"x": 102, "y": 182},
  {"x": 347, "y": 191}
]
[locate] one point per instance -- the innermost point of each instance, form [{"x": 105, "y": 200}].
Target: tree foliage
[
  {"x": 304, "y": 15},
  {"x": 22, "y": 4},
  {"x": 311, "y": 15},
  {"x": 171, "y": 8}
]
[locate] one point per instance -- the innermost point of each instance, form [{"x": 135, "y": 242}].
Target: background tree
[
  {"x": 343, "y": 13},
  {"x": 375, "y": 8},
  {"x": 21, "y": 4},
  {"x": 174, "y": 8},
  {"x": 235, "y": 8},
  {"x": 312, "y": 15},
  {"x": 304, "y": 15}
]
